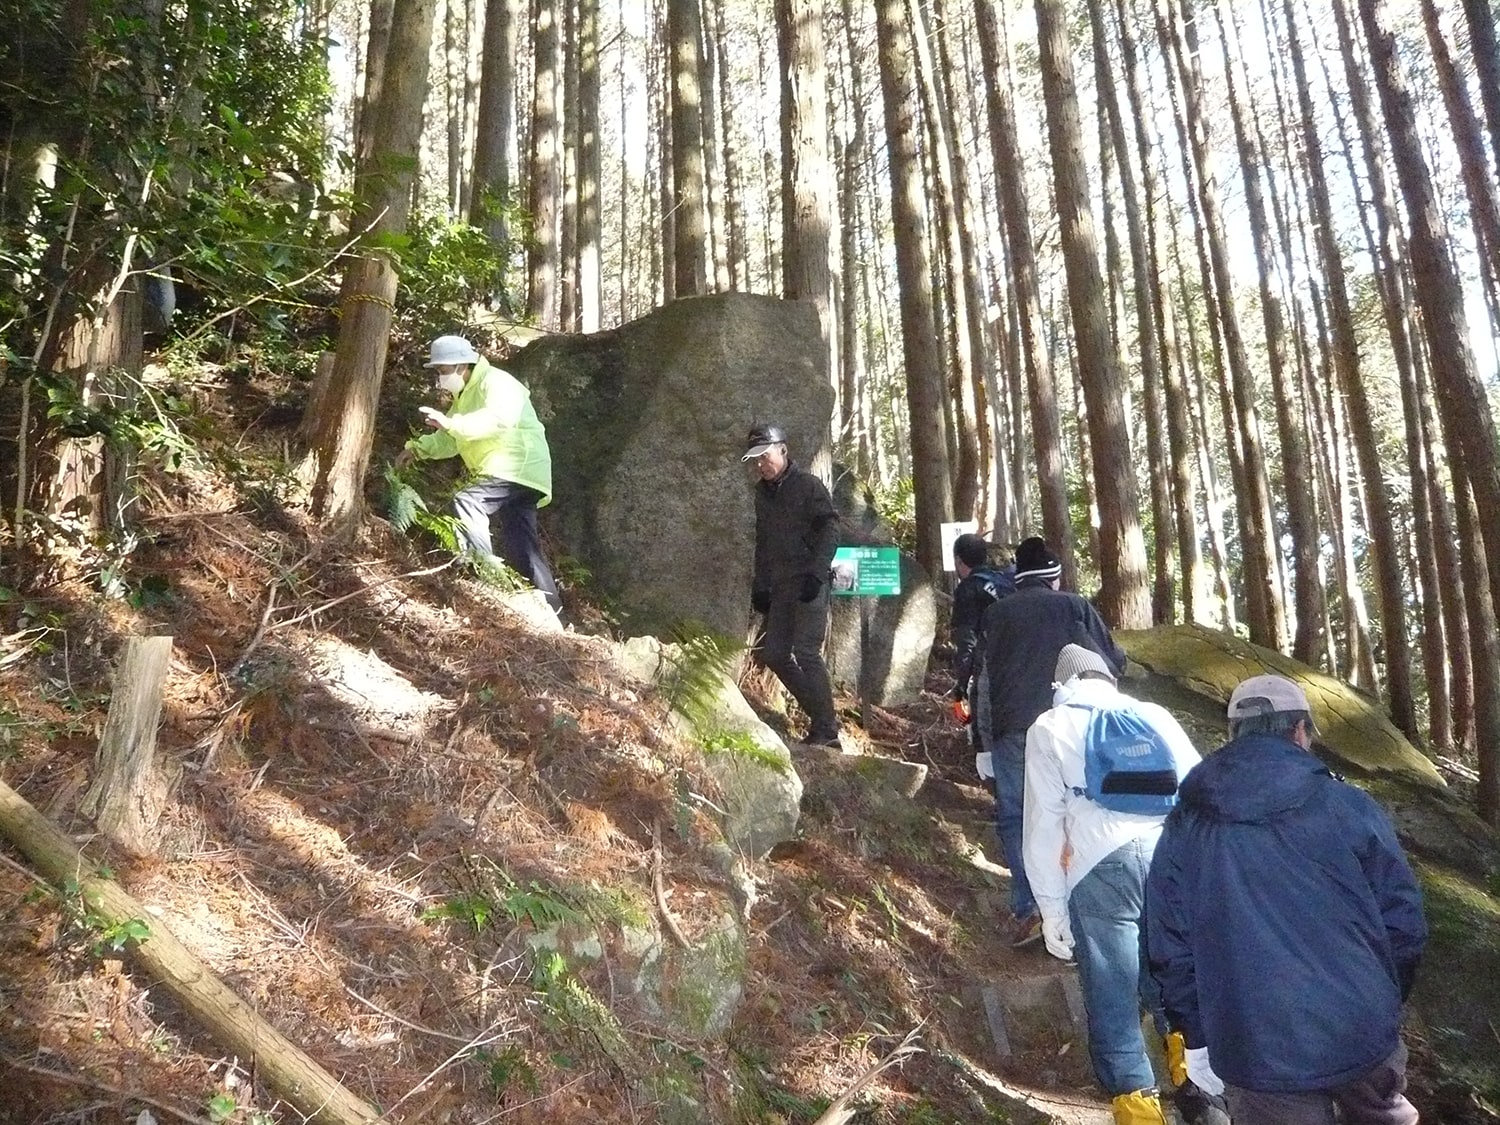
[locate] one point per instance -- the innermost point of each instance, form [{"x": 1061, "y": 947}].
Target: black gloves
[
  {"x": 811, "y": 584},
  {"x": 760, "y": 600}
]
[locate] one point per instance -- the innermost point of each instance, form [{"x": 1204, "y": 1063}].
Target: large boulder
[
  {"x": 647, "y": 423},
  {"x": 878, "y": 647},
  {"x": 1207, "y": 664}
]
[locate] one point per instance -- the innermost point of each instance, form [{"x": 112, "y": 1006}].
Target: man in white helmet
[{"x": 492, "y": 425}]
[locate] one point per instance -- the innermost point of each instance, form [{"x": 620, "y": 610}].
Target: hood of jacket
[{"x": 1253, "y": 779}]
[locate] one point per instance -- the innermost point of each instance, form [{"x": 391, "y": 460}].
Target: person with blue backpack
[
  {"x": 1102, "y": 771},
  {"x": 1021, "y": 635}
]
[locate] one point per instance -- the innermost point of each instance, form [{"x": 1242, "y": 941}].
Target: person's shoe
[
  {"x": 1197, "y": 1108},
  {"x": 823, "y": 738},
  {"x": 1141, "y": 1107},
  {"x": 1027, "y": 931}
]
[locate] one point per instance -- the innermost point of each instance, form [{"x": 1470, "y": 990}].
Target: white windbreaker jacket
[{"x": 1065, "y": 834}]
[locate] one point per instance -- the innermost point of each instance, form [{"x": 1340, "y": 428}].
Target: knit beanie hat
[
  {"x": 1075, "y": 660},
  {"x": 1034, "y": 559}
]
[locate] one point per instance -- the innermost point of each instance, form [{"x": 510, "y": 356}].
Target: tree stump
[{"x": 129, "y": 792}]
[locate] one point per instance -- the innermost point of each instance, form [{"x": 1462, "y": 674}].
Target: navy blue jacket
[
  {"x": 1284, "y": 923},
  {"x": 1020, "y": 637}
]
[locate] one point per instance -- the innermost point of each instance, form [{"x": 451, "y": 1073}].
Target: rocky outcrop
[
  {"x": 1352, "y": 727},
  {"x": 647, "y": 423}
]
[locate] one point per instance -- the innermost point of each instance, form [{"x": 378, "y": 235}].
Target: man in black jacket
[
  {"x": 796, "y": 532},
  {"x": 1021, "y": 637}
]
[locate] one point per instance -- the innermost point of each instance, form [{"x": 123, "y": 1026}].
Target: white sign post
[{"x": 949, "y": 532}]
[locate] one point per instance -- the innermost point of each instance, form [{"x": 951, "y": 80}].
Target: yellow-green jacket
[{"x": 494, "y": 428}]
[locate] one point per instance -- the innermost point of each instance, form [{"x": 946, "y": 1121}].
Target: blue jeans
[
  {"x": 1008, "y": 758},
  {"x": 1107, "y": 909}
]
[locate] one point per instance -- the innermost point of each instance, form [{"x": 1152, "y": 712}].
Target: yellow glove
[{"x": 1176, "y": 1050}]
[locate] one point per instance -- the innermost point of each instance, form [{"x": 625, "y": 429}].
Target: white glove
[
  {"x": 1201, "y": 1074},
  {"x": 1058, "y": 934},
  {"x": 984, "y": 765}
]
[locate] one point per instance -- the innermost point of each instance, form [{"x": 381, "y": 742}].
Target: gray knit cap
[{"x": 1074, "y": 660}]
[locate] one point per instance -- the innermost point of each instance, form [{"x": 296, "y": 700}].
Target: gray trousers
[
  {"x": 1374, "y": 1098},
  {"x": 791, "y": 645},
  {"x": 520, "y": 546}
]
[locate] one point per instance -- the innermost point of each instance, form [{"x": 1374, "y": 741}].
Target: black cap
[{"x": 761, "y": 437}]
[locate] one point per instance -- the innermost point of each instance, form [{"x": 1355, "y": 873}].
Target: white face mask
[{"x": 451, "y": 381}]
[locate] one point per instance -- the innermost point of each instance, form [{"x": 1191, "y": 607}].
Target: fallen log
[{"x": 281, "y": 1064}]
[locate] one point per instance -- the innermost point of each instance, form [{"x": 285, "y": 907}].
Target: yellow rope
[{"x": 373, "y": 298}]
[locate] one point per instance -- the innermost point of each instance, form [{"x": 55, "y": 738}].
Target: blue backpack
[{"x": 1127, "y": 765}]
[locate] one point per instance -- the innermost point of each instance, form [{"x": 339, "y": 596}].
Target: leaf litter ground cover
[{"x": 392, "y": 789}]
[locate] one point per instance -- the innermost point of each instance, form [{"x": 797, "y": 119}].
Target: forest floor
[{"x": 389, "y": 782}]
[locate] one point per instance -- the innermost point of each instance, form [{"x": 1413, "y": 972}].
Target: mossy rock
[{"x": 1352, "y": 727}]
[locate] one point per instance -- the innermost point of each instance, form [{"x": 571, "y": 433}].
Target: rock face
[
  {"x": 760, "y": 792},
  {"x": 893, "y": 661},
  {"x": 1352, "y": 727},
  {"x": 647, "y": 423}
]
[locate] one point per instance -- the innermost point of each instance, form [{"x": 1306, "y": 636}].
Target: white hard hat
[{"x": 451, "y": 349}]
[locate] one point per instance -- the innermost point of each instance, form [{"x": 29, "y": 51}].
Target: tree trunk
[
  {"x": 1046, "y": 428},
  {"x": 807, "y": 179},
  {"x": 544, "y": 193},
  {"x": 377, "y": 43},
  {"x": 233, "y": 1024},
  {"x": 1267, "y": 618},
  {"x": 1163, "y": 318},
  {"x": 924, "y": 372},
  {"x": 129, "y": 792},
  {"x": 340, "y": 450},
  {"x": 495, "y": 134},
  {"x": 1143, "y": 288},
  {"x": 1387, "y": 561},
  {"x": 590, "y": 170},
  {"x": 1124, "y": 598},
  {"x": 962, "y": 332},
  {"x": 689, "y": 223},
  {"x": 1296, "y": 475},
  {"x": 1468, "y": 420},
  {"x": 1484, "y": 211},
  {"x": 1484, "y": 634}
]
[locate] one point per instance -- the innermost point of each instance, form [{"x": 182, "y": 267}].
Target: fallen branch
[
  {"x": 839, "y": 1112},
  {"x": 285, "y": 1067},
  {"x": 659, "y": 886}
]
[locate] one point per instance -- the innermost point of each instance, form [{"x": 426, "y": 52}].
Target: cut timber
[
  {"x": 284, "y": 1066},
  {"x": 129, "y": 792}
]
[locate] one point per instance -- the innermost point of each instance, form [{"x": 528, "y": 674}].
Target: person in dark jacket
[
  {"x": 1022, "y": 636},
  {"x": 1285, "y": 926},
  {"x": 796, "y": 533},
  {"x": 979, "y": 586}
]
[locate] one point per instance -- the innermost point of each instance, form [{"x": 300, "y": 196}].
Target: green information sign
[{"x": 867, "y": 571}]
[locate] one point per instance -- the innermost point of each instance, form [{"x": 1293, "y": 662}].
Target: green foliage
[
  {"x": 743, "y": 745},
  {"x": 506, "y": 1068},
  {"x": 447, "y": 268},
  {"x": 896, "y": 504},
  {"x": 700, "y": 662},
  {"x": 535, "y": 904},
  {"x": 220, "y": 1108}
]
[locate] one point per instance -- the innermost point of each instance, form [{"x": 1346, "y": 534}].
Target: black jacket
[
  {"x": 1021, "y": 637},
  {"x": 796, "y": 529},
  {"x": 975, "y": 592}
]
